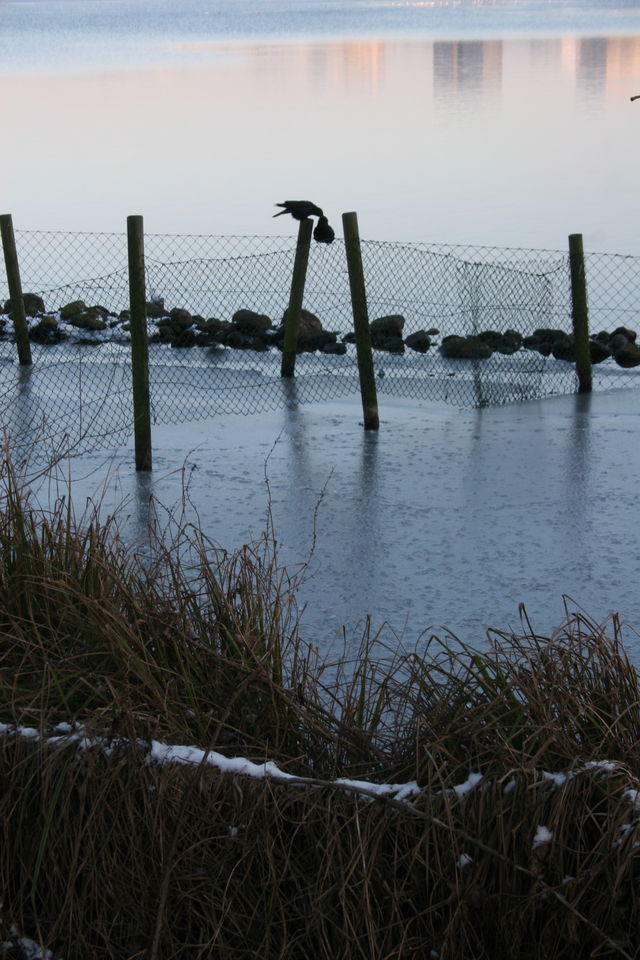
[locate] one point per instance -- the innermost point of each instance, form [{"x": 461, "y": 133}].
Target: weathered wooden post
[
  {"x": 361, "y": 321},
  {"x": 580, "y": 312},
  {"x": 292, "y": 319},
  {"x": 15, "y": 289},
  {"x": 139, "y": 344}
]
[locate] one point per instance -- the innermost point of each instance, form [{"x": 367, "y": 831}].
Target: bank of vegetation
[{"x": 439, "y": 802}]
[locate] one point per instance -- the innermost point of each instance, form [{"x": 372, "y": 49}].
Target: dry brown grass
[{"x": 107, "y": 854}]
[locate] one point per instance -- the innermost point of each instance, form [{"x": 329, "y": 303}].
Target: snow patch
[
  {"x": 472, "y": 781},
  {"x": 162, "y": 753},
  {"x": 542, "y": 835}
]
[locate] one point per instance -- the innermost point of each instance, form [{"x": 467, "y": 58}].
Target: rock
[
  {"x": 33, "y": 305},
  {"x": 543, "y": 338},
  {"x": 315, "y": 341},
  {"x": 211, "y": 330},
  {"x": 233, "y": 338},
  {"x": 564, "y": 349},
  {"x": 183, "y": 338},
  {"x": 391, "y": 326},
  {"x": 46, "y": 331},
  {"x": 72, "y": 309},
  {"x": 507, "y": 343},
  {"x": 337, "y": 349},
  {"x": 256, "y": 343},
  {"x": 89, "y": 320},
  {"x": 156, "y": 309},
  {"x": 311, "y": 335},
  {"x": 172, "y": 326},
  {"x": 628, "y": 355},
  {"x": 92, "y": 318},
  {"x": 465, "y": 348},
  {"x": 181, "y": 318},
  {"x": 420, "y": 341},
  {"x": 309, "y": 323},
  {"x": 389, "y": 344},
  {"x": 599, "y": 351},
  {"x": 618, "y": 340},
  {"x": 512, "y": 340},
  {"x": 629, "y": 334},
  {"x": 492, "y": 337},
  {"x": 164, "y": 332},
  {"x": 249, "y": 322}
]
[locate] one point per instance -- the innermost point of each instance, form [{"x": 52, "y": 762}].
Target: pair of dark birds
[{"x": 302, "y": 210}]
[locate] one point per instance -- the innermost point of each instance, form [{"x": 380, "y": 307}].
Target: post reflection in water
[
  {"x": 364, "y": 548},
  {"x": 578, "y": 491},
  {"x": 144, "y": 518},
  {"x": 24, "y": 419},
  {"x": 329, "y": 515}
]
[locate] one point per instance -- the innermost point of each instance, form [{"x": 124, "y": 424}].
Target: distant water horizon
[{"x": 97, "y": 34}]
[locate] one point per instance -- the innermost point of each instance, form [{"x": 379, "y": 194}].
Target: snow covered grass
[{"x": 182, "y": 776}]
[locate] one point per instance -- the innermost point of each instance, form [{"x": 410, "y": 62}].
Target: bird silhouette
[
  {"x": 299, "y": 209},
  {"x": 323, "y": 232}
]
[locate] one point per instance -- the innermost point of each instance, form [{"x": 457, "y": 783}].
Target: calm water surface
[
  {"x": 503, "y": 123},
  {"x": 500, "y": 123},
  {"x": 444, "y": 519}
]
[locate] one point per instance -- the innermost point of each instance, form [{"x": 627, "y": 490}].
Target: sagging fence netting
[{"x": 511, "y": 308}]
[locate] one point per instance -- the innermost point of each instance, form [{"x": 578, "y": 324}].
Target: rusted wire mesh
[{"x": 498, "y": 300}]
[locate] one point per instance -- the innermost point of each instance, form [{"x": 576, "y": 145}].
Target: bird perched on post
[
  {"x": 323, "y": 232},
  {"x": 299, "y": 209}
]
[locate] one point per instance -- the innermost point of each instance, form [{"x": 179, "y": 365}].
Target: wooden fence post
[
  {"x": 15, "y": 289},
  {"x": 580, "y": 312},
  {"x": 139, "y": 344},
  {"x": 361, "y": 321},
  {"x": 292, "y": 317}
]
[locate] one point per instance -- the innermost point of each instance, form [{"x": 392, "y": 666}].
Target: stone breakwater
[{"x": 249, "y": 330}]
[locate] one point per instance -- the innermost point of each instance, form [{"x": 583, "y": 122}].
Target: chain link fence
[{"x": 502, "y": 303}]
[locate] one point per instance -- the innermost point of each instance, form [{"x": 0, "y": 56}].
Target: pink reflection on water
[{"x": 510, "y": 142}]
